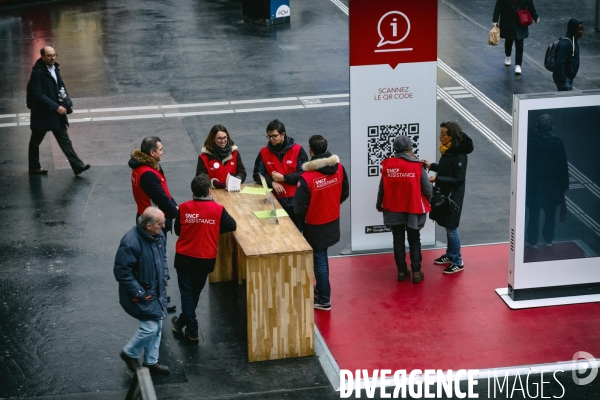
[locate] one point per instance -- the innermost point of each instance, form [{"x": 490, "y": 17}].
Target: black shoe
[
  {"x": 443, "y": 260},
  {"x": 38, "y": 171},
  {"x": 454, "y": 268},
  {"x": 171, "y": 309},
  {"x": 193, "y": 336},
  {"x": 320, "y": 305},
  {"x": 177, "y": 328},
  {"x": 80, "y": 170},
  {"x": 132, "y": 363},
  {"x": 158, "y": 368}
]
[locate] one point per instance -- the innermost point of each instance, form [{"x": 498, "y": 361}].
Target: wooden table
[{"x": 277, "y": 263}]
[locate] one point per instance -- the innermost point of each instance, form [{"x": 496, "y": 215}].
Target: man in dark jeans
[
  {"x": 322, "y": 187},
  {"x": 45, "y": 94},
  {"x": 198, "y": 225}
]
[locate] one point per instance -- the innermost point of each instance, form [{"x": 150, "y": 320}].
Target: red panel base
[{"x": 446, "y": 321}]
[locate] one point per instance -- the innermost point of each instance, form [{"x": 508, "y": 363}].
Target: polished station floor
[{"x": 137, "y": 68}]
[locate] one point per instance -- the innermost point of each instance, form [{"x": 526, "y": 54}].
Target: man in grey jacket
[{"x": 142, "y": 272}]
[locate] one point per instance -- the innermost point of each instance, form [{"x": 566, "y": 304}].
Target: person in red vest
[
  {"x": 220, "y": 157},
  {"x": 198, "y": 225},
  {"x": 321, "y": 188},
  {"x": 148, "y": 181},
  {"x": 280, "y": 163},
  {"x": 403, "y": 197}
]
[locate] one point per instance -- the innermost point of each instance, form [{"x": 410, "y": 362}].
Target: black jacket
[
  {"x": 150, "y": 184},
  {"x": 507, "y": 12},
  {"x": 43, "y": 98},
  {"x": 291, "y": 178},
  {"x": 567, "y": 57},
  {"x": 325, "y": 235},
  {"x": 547, "y": 171},
  {"x": 450, "y": 179}
]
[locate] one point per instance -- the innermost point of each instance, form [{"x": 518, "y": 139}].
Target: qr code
[{"x": 381, "y": 140}]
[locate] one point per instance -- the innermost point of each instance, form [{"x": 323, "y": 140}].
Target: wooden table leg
[{"x": 279, "y": 295}]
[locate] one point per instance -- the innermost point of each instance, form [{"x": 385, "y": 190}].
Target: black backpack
[{"x": 551, "y": 53}]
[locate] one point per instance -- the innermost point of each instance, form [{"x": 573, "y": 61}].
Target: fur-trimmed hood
[
  {"x": 138, "y": 159},
  {"x": 211, "y": 155},
  {"x": 325, "y": 163}
]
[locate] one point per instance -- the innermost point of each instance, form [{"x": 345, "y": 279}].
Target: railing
[{"x": 141, "y": 387}]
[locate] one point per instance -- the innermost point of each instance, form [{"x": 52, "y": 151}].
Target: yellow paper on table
[
  {"x": 269, "y": 213},
  {"x": 253, "y": 190}
]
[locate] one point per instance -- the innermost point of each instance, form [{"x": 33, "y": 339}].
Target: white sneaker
[
  {"x": 517, "y": 70},
  {"x": 507, "y": 61}
]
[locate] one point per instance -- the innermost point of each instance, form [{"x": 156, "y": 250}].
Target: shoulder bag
[{"x": 523, "y": 16}]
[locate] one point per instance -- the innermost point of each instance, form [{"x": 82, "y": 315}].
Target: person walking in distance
[
  {"x": 403, "y": 197},
  {"x": 142, "y": 272},
  {"x": 198, "y": 225},
  {"x": 567, "y": 56},
  {"x": 510, "y": 30},
  {"x": 46, "y": 93},
  {"x": 322, "y": 187}
]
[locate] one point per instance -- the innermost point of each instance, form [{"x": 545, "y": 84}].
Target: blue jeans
[
  {"x": 147, "y": 338},
  {"x": 321, "y": 265},
  {"x": 453, "y": 248}
]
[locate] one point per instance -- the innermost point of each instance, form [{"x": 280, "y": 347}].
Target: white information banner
[{"x": 393, "y": 78}]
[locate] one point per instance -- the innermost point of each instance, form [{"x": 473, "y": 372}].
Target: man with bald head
[
  {"x": 142, "y": 272},
  {"x": 47, "y": 98}
]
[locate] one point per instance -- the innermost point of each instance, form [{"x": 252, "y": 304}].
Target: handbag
[
  {"x": 441, "y": 204},
  {"x": 523, "y": 16},
  {"x": 494, "y": 37}
]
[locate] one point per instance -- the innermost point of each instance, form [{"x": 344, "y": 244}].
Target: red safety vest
[
  {"x": 216, "y": 169},
  {"x": 200, "y": 223},
  {"x": 402, "y": 186},
  {"x": 141, "y": 198},
  {"x": 325, "y": 195},
  {"x": 288, "y": 165}
]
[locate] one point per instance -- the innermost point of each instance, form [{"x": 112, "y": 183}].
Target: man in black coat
[
  {"x": 567, "y": 56},
  {"x": 45, "y": 97}
]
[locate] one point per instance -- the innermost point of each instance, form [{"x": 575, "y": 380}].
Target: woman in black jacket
[
  {"x": 510, "y": 30},
  {"x": 450, "y": 180}
]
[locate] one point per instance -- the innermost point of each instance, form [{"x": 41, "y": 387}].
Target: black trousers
[
  {"x": 414, "y": 246},
  {"x": 191, "y": 278},
  {"x": 533, "y": 224},
  {"x": 518, "y": 46},
  {"x": 62, "y": 137}
]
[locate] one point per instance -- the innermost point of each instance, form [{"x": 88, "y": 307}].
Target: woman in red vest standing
[
  {"x": 403, "y": 197},
  {"x": 220, "y": 157}
]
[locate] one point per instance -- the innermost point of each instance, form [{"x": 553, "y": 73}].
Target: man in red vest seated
[
  {"x": 148, "y": 181},
  {"x": 280, "y": 163},
  {"x": 322, "y": 187},
  {"x": 198, "y": 225}
]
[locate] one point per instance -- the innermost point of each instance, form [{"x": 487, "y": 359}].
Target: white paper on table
[{"x": 233, "y": 183}]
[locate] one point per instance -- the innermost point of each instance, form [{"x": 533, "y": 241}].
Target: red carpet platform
[{"x": 446, "y": 321}]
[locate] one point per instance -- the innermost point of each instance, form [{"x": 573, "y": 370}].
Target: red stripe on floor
[{"x": 446, "y": 321}]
